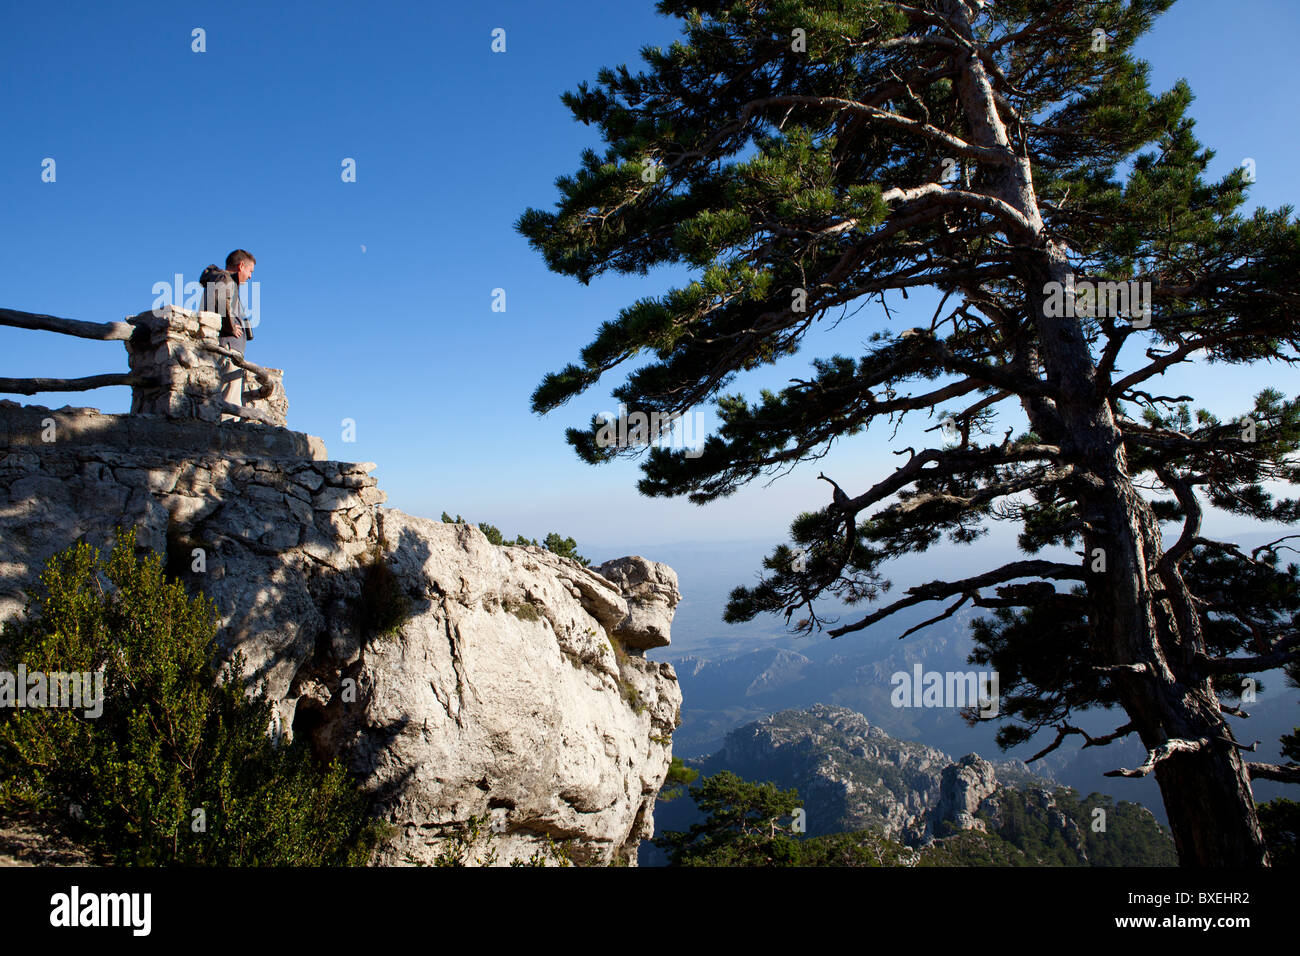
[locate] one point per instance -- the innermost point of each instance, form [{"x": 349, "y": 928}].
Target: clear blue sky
[{"x": 376, "y": 295}]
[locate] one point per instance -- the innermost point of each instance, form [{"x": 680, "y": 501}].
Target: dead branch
[{"x": 1064, "y": 730}]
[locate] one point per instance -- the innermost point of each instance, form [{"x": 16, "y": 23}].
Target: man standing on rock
[{"x": 221, "y": 295}]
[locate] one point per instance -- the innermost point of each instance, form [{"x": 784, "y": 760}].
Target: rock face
[
  {"x": 965, "y": 785},
  {"x": 853, "y": 774},
  {"x": 652, "y": 596},
  {"x": 513, "y": 685},
  {"x": 506, "y": 695}
]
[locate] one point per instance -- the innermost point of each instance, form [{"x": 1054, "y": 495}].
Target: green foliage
[
  {"x": 383, "y": 605},
  {"x": 553, "y": 853},
  {"x": 973, "y": 848},
  {"x": 752, "y": 824},
  {"x": 172, "y": 738},
  {"x": 524, "y": 611},
  {"x": 748, "y": 824},
  {"x": 860, "y": 848},
  {"x": 1280, "y": 820},
  {"x": 554, "y": 542},
  {"x": 494, "y": 535},
  {"x": 679, "y": 775},
  {"x": 1131, "y": 836},
  {"x": 564, "y": 547},
  {"x": 460, "y": 849}
]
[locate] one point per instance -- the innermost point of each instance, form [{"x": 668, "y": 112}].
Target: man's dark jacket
[{"x": 221, "y": 295}]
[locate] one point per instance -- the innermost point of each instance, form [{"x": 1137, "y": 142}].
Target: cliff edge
[{"x": 459, "y": 679}]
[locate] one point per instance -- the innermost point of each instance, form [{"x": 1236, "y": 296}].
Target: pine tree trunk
[
  {"x": 1211, "y": 810},
  {"x": 1206, "y": 792},
  {"x": 1142, "y": 615}
]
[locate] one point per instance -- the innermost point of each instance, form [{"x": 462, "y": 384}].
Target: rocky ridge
[
  {"x": 852, "y": 775},
  {"x": 514, "y": 685}
]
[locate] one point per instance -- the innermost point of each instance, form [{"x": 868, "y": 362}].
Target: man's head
[{"x": 240, "y": 264}]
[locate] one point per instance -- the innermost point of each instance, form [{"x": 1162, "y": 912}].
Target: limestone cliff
[{"x": 513, "y": 683}]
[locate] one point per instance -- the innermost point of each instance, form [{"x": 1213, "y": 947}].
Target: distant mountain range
[
  {"x": 853, "y": 776},
  {"x": 728, "y": 686}
]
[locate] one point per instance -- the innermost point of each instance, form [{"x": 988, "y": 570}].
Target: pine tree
[
  {"x": 747, "y": 824},
  {"x": 812, "y": 157}
]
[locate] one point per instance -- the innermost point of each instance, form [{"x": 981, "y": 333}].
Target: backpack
[{"x": 221, "y": 295}]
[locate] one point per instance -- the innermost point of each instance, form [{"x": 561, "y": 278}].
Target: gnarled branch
[
  {"x": 30, "y": 386},
  {"x": 1284, "y": 652},
  {"x": 1163, "y": 752}
]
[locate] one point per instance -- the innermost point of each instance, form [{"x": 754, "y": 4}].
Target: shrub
[
  {"x": 554, "y": 542},
  {"x": 1280, "y": 821},
  {"x": 383, "y": 605},
  {"x": 178, "y": 767}
]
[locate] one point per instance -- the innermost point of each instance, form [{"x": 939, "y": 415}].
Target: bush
[
  {"x": 178, "y": 768},
  {"x": 383, "y": 605},
  {"x": 554, "y": 542}
]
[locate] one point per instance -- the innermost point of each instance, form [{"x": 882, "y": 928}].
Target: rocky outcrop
[
  {"x": 652, "y": 595},
  {"x": 852, "y": 775},
  {"x": 275, "y": 539},
  {"x": 505, "y": 694},
  {"x": 964, "y": 787},
  {"x": 459, "y": 679}
]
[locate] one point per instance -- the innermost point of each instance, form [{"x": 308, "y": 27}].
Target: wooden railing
[
  {"x": 124, "y": 332},
  {"x": 101, "y": 331}
]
